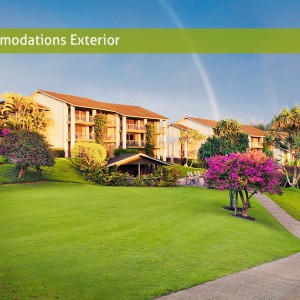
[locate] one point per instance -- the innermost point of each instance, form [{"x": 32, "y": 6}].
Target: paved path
[
  {"x": 282, "y": 216},
  {"x": 277, "y": 280}
]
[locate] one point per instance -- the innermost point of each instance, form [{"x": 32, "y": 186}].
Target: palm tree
[
  {"x": 186, "y": 138},
  {"x": 288, "y": 122},
  {"x": 229, "y": 130},
  {"x": 23, "y": 112}
]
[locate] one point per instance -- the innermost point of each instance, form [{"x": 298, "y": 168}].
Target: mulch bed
[
  {"x": 242, "y": 217},
  {"x": 232, "y": 208}
]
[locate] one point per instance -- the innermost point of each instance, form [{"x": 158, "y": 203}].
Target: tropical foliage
[
  {"x": 151, "y": 139},
  {"x": 188, "y": 137},
  {"x": 285, "y": 135},
  {"x": 121, "y": 151},
  {"x": 25, "y": 149},
  {"x": 89, "y": 154},
  {"x": 245, "y": 174},
  {"x": 22, "y": 112},
  {"x": 168, "y": 177},
  {"x": 100, "y": 121},
  {"x": 228, "y": 138}
]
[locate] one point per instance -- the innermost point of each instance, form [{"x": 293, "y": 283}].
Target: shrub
[
  {"x": 26, "y": 149},
  {"x": 171, "y": 175},
  {"x": 121, "y": 151},
  {"x": 58, "y": 152},
  {"x": 89, "y": 154}
]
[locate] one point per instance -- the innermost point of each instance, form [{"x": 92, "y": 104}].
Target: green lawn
[
  {"x": 77, "y": 241},
  {"x": 289, "y": 201},
  {"x": 63, "y": 170},
  {"x": 184, "y": 169}
]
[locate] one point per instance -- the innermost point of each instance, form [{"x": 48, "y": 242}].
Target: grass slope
[
  {"x": 289, "y": 201},
  {"x": 184, "y": 170},
  {"x": 76, "y": 241},
  {"x": 63, "y": 170}
]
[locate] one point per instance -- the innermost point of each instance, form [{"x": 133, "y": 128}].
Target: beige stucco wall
[
  {"x": 203, "y": 129},
  {"x": 59, "y": 110}
]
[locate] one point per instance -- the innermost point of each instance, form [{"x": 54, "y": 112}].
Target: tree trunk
[
  {"x": 38, "y": 170},
  {"x": 245, "y": 204},
  {"x": 236, "y": 202},
  {"x": 182, "y": 153},
  {"x": 22, "y": 171}
]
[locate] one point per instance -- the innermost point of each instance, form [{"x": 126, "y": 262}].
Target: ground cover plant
[
  {"x": 78, "y": 241},
  {"x": 289, "y": 201}
]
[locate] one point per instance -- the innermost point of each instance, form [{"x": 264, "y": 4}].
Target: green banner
[{"x": 103, "y": 40}]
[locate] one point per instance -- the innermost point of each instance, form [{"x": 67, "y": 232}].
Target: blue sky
[{"x": 251, "y": 88}]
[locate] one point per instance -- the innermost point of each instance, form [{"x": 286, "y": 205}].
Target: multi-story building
[
  {"x": 74, "y": 121},
  {"x": 205, "y": 127}
]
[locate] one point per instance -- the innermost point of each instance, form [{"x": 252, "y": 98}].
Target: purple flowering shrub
[
  {"x": 245, "y": 174},
  {"x": 26, "y": 149}
]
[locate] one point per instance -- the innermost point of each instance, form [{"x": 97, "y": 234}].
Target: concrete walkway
[
  {"x": 278, "y": 213},
  {"x": 277, "y": 280}
]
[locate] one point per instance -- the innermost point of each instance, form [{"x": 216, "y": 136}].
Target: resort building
[
  {"x": 74, "y": 121},
  {"x": 204, "y": 126}
]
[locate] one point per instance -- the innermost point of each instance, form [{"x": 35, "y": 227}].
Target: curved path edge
[
  {"x": 281, "y": 215},
  {"x": 277, "y": 280}
]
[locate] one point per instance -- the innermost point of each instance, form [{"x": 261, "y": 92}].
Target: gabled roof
[
  {"x": 180, "y": 126},
  {"x": 129, "y": 158},
  {"x": 210, "y": 123},
  {"x": 122, "y": 109},
  {"x": 248, "y": 129},
  {"x": 253, "y": 131}
]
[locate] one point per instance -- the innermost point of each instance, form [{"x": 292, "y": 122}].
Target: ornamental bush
[
  {"x": 121, "y": 151},
  {"x": 245, "y": 174},
  {"x": 26, "y": 149},
  {"x": 89, "y": 154}
]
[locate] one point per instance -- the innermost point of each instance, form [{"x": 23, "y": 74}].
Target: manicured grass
[
  {"x": 78, "y": 241},
  {"x": 184, "y": 169},
  {"x": 63, "y": 170},
  {"x": 289, "y": 201}
]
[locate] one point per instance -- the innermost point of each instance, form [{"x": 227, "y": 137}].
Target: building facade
[
  {"x": 205, "y": 127},
  {"x": 74, "y": 121}
]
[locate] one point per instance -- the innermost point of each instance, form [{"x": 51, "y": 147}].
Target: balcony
[
  {"x": 135, "y": 144},
  {"x": 257, "y": 145},
  {"x": 134, "y": 127},
  {"x": 111, "y": 123},
  {"x": 82, "y": 118},
  {"x": 161, "y": 130},
  {"x": 109, "y": 138}
]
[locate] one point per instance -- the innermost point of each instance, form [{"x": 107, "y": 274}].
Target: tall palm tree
[
  {"x": 229, "y": 130},
  {"x": 186, "y": 138},
  {"x": 288, "y": 122},
  {"x": 23, "y": 112}
]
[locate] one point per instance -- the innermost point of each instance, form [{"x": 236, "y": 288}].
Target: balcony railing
[
  {"x": 109, "y": 138},
  {"x": 135, "y": 127},
  {"x": 161, "y": 130},
  {"x": 257, "y": 145},
  {"x": 82, "y": 118}
]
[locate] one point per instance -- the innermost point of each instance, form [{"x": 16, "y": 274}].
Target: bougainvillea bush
[
  {"x": 26, "y": 149},
  {"x": 245, "y": 174}
]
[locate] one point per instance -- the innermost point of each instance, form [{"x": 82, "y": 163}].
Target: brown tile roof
[
  {"x": 253, "y": 131},
  {"x": 126, "y": 110},
  {"x": 211, "y": 123},
  {"x": 248, "y": 129},
  {"x": 180, "y": 126},
  {"x": 130, "y": 158}
]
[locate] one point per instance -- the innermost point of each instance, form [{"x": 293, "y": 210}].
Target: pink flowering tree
[
  {"x": 245, "y": 174},
  {"x": 25, "y": 149}
]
